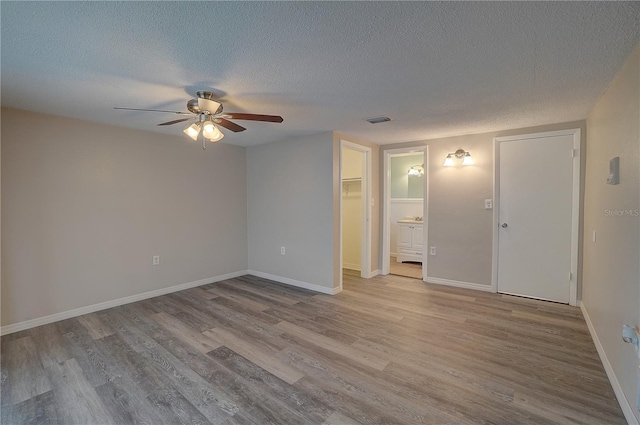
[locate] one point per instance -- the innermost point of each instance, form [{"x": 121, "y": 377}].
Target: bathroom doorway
[{"x": 405, "y": 212}]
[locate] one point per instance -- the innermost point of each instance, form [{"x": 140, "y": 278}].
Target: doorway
[
  {"x": 405, "y": 212},
  {"x": 537, "y": 199},
  {"x": 355, "y": 210}
]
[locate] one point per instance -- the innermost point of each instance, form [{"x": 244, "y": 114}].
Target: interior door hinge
[
  {"x": 570, "y": 276},
  {"x": 574, "y": 153}
]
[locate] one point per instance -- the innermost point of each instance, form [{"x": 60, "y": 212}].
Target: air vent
[{"x": 378, "y": 120}]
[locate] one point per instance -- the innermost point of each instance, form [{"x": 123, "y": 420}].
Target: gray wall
[
  {"x": 459, "y": 226},
  {"x": 290, "y": 199},
  {"x": 85, "y": 206},
  {"x": 611, "y": 280}
]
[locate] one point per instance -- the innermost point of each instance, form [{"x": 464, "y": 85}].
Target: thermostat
[{"x": 614, "y": 171}]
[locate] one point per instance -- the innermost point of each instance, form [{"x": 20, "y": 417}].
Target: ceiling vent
[{"x": 378, "y": 120}]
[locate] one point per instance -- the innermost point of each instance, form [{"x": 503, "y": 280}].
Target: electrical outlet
[
  {"x": 282, "y": 250},
  {"x": 432, "y": 250},
  {"x": 488, "y": 204},
  {"x": 156, "y": 260}
]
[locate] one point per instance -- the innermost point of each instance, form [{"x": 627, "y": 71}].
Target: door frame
[
  {"x": 575, "y": 205},
  {"x": 386, "y": 206},
  {"x": 365, "y": 242}
]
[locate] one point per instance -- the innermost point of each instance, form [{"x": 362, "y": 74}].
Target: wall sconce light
[
  {"x": 416, "y": 170},
  {"x": 460, "y": 153}
]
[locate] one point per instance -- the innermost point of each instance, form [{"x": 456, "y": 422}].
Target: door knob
[{"x": 505, "y": 225}]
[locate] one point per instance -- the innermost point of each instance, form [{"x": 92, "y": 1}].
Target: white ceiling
[{"x": 437, "y": 69}]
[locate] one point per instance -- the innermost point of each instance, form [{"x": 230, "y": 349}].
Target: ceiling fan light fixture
[
  {"x": 217, "y": 138},
  {"x": 192, "y": 131},
  {"x": 211, "y": 132},
  {"x": 207, "y": 112}
]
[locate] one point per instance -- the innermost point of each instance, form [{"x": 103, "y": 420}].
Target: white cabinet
[
  {"x": 404, "y": 236},
  {"x": 410, "y": 245}
]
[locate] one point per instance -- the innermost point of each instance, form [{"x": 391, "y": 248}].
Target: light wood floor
[
  {"x": 248, "y": 351},
  {"x": 408, "y": 269}
]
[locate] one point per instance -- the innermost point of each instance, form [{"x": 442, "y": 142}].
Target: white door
[
  {"x": 416, "y": 237},
  {"x": 536, "y": 189},
  {"x": 404, "y": 236}
]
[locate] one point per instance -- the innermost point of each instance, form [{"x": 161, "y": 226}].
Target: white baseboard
[
  {"x": 393, "y": 254},
  {"x": 45, "y": 320},
  {"x": 375, "y": 273},
  {"x": 351, "y": 266},
  {"x": 627, "y": 410},
  {"x": 459, "y": 284},
  {"x": 293, "y": 282}
]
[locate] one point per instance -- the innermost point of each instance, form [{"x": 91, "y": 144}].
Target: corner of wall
[
  {"x": 610, "y": 269},
  {"x": 290, "y": 204}
]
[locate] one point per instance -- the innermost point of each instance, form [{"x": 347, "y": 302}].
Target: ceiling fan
[{"x": 207, "y": 112}]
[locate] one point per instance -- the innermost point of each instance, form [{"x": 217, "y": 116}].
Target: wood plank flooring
[
  {"x": 388, "y": 350},
  {"x": 408, "y": 269}
]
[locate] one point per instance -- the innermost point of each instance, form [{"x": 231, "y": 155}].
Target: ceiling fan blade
[
  {"x": 229, "y": 125},
  {"x": 253, "y": 117},
  {"x": 175, "y": 121},
  {"x": 154, "y": 110}
]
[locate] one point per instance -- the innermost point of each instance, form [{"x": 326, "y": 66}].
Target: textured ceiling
[{"x": 437, "y": 69}]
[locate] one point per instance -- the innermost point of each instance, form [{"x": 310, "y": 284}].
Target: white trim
[
  {"x": 407, "y": 151},
  {"x": 575, "y": 219},
  {"x": 575, "y": 206},
  {"x": 496, "y": 218},
  {"x": 544, "y": 134},
  {"x": 459, "y": 284},
  {"x": 45, "y": 320},
  {"x": 297, "y": 283},
  {"x": 386, "y": 200},
  {"x": 425, "y": 213},
  {"x": 627, "y": 410},
  {"x": 375, "y": 273}
]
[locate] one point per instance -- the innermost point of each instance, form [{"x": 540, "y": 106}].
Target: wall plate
[{"x": 614, "y": 171}]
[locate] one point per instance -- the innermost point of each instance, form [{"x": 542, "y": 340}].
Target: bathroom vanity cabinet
[{"x": 410, "y": 244}]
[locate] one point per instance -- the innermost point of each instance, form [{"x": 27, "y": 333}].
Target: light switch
[{"x": 488, "y": 204}]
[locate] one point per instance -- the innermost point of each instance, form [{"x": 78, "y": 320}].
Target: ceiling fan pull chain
[{"x": 204, "y": 143}]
